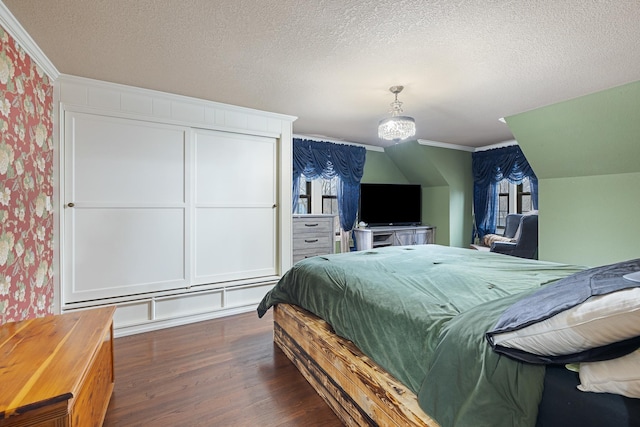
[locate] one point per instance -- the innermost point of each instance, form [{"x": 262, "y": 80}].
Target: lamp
[{"x": 397, "y": 127}]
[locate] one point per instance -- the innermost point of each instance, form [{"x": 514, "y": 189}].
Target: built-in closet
[{"x": 173, "y": 209}]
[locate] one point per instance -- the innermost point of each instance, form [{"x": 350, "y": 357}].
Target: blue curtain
[
  {"x": 320, "y": 159},
  {"x": 489, "y": 168}
]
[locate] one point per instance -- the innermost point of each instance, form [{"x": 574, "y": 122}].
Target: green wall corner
[
  {"x": 379, "y": 168},
  {"x": 586, "y": 154},
  {"x": 445, "y": 176}
]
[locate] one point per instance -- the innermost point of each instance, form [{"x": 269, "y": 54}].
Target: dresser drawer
[
  {"x": 312, "y": 226},
  {"x": 308, "y": 253},
  {"x": 312, "y": 235},
  {"x": 313, "y": 242},
  {"x": 299, "y": 257}
]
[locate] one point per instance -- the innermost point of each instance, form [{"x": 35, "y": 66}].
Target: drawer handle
[
  {"x": 311, "y": 225},
  {"x": 310, "y": 240}
]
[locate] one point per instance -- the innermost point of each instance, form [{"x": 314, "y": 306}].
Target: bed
[{"x": 397, "y": 336}]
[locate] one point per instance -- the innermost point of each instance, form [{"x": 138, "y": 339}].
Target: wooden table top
[{"x": 42, "y": 359}]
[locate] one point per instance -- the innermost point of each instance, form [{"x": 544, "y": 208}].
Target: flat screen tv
[{"x": 390, "y": 204}]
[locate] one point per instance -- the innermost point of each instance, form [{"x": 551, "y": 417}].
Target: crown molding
[
  {"x": 498, "y": 145},
  {"x": 445, "y": 145},
  {"x": 467, "y": 148},
  {"x": 13, "y": 27},
  {"x": 420, "y": 141},
  {"x": 319, "y": 138}
]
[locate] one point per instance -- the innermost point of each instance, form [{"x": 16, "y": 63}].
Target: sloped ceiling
[
  {"x": 464, "y": 64},
  {"x": 596, "y": 134}
]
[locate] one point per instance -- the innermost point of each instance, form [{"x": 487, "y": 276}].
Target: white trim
[
  {"x": 76, "y": 108},
  {"x": 13, "y": 27},
  {"x": 420, "y": 141},
  {"x": 445, "y": 145},
  {"x": 180, "y": 321},
  {"x": 338, "y": 141},
  {"x": 85, "y": 82},
  {"x": 498, "y": 145},
  {"x": 56, "y": 201}
]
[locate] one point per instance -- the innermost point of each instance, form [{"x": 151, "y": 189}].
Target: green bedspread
[{"x": 421, "y": 313}]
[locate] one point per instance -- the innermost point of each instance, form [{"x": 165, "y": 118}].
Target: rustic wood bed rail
[{"x": 358, "y": 390}]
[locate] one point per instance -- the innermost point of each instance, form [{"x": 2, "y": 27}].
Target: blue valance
[
  {"x": 321, "y": 159},
  {"x": 489, "y": 168}
]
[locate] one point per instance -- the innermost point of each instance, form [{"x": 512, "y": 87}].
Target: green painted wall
[
  {"x": 435, "y": 207},
  {"x": 586, "y": 154},
  {"x": 590, "y": 220},
  {"x": 445, "y": 176},
  {"x": 380, "y": 169}
]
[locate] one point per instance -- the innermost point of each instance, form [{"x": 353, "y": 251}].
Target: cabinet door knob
[{"x": 71, "y": 204}]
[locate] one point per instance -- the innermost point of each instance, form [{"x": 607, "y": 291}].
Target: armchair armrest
[{"x": 503, "y": 247}]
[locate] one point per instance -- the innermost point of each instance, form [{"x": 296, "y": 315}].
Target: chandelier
[{"x": 397, "y": 127}]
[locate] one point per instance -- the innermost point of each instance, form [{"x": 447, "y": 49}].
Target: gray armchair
[
  {"x": 512, "y": 222},
  {"x": 526, "y": 244}
]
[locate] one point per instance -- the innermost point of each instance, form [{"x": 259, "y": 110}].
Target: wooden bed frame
[{"x": 358, "y": 390}]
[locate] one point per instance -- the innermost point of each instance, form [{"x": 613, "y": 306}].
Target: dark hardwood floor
[{"x": 222, "y": 372}]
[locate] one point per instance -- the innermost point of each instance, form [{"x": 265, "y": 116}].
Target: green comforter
[{"x": 421, "y": 313}]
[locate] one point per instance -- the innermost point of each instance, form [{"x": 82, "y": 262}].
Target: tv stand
[{"x": 378, "y": 237}]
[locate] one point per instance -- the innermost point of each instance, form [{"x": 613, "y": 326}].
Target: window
[
  {"x": 503, "y": 203},
  {"x": 524, "y": 197},
  {"x": 512, "y": 198},
  {"x": 304, "y": 204},
  {"x": 330, "y": 199},
  {"x": 319, "y": 196}
]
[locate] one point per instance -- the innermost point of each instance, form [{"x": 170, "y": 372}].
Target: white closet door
[
  {"x": 235, "y": 207},
  {"x": 125, "y": 219}
]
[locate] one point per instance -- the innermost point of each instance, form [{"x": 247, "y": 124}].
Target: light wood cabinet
[
  {"x": 377, "y": 237},
  {"x": 313, "y": 235},
  {"x": 57, "y": 370}
]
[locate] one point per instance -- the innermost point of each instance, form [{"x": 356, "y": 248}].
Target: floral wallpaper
[{"x": 26, "y": 185}]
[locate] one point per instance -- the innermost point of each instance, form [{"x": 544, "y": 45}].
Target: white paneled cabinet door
[
  {"x": 126, "y": 208},
  {"x": 235, "y": 206}
]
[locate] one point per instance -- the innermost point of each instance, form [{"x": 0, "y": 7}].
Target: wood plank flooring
[{"x": 222, "y": 372}]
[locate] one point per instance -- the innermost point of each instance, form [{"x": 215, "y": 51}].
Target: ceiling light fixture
[{"x": 397, "y": 127}]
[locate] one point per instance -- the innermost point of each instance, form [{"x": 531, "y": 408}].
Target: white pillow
[
  {"x": 589, "y": 316},
  {"x": 619, "y": 376},
  {"x": 598, "y": 321}
]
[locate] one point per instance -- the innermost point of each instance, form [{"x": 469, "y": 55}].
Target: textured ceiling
[{"x": 464, "y": 64}]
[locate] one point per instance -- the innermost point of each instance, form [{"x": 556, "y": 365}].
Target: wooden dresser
[
  {"x": 313, "y": 235},
  {"x": 57, "y": 370}
]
